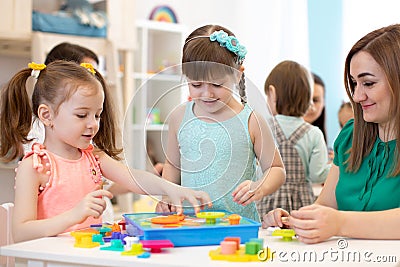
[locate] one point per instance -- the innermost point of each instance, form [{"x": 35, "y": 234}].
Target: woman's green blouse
[{"x": 371, "y": 188}]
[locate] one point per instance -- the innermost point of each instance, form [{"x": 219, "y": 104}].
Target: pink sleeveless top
[{"x": 69, "y": 182}]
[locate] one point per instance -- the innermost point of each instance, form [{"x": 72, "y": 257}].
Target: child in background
[
  {"x": 302, "y": 146},
  {"x": 315, "y": 114},
  {"x": 58, "y": 184},
  {"x": 345, "y": 113},
  {"x": 214, "y": 140}
]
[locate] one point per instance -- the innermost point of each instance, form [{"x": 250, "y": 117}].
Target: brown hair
[
  {"x": 55, "y": 85},
  {"x": 292, "y": 88},
  {"x": 70, "y": 52},
  {"x": 384, "y": 46},
  {"x": 199, "y": 54}
]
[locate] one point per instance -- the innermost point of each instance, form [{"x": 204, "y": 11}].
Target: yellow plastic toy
[
  {"x": 83, "y": 238},
  {"x": 286, "y": 234},
  {"x": 136, "y": 249},
  {"x": 210, "y": 216},
  {"x": 251, "y": 251}
]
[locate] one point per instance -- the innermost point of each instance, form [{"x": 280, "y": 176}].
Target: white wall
[{"x": 271, "y": 30}]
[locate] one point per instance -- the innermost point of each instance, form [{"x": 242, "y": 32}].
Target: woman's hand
[
  {"x": 315, "y": 223},
  {"x": 275, "y": 217}
]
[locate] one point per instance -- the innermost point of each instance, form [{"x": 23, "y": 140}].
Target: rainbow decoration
[{"x": 163, "y": 13}]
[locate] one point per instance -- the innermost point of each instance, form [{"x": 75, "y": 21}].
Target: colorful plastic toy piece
[
  {"x": 98, "y": 238},
  {"x": 234, "y": 239},
  {"x": 252, "y": 248},
  {"x": 144, "y": 255},
  {"x": 230, "y": 250},
  {"x": 122, "y": 224},
  {"x": 238, "y": 256},
  {"x": 234, "y": 219},
  {"x": 155, "y": 246},
  {"x": 130, "y": 240},
  {"x": 210, "y": 216},
  {"x": 105, "y": 231},
  {"x": 136, "y": 249},
  {"x": 228, "y": 247},
  {"x": 83, "y": 238},
  {"x": 286, "y": 234},
  {"x": 115, "y": 228},
  {"x": 115, "y": 245},
  {"x": 257, "y": 240},
  {"x": 169, "y": 219}
]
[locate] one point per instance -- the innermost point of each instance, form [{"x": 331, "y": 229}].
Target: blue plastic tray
[{"x": 138, "y": 224}]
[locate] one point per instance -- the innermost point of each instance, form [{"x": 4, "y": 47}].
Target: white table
[{"x": 60, "y": 251}]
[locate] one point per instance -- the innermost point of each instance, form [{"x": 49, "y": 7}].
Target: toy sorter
[{"x": 204, "y": 228}]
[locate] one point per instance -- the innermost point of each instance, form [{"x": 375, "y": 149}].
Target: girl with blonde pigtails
[{"x": 58, "y": 183}]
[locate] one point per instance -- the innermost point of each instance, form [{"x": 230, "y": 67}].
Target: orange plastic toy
[
  {"x": 169, "y": 219},
  {"x": 234, "y": 219}
]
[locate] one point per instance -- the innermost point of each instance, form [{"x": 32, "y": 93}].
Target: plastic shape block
[
  {"x": 115, "y": 228},
  {"x": 105, "y": 231},
  {"x": 169, "y": 219},
  {"x": 239, "y": 256},
  {"x": 234, "y": 219},
  {"x": 258, "y": 240},
  {"x": 130, "y": 240},
  {"x": 286, "y": 234},
  {"x": 115, "y": 245},
  {"x": 211, "y": 217},
  {"x": 235, "y": 239},
  {"x": 228, "y": 247},
  {"x": 144, "y": 255},
  {"x": 252, "y": 248},
  {"x": 98, "y": 238},
  {"x": 136, "y": 249},
  {"x": 83, "y": 239},
  {"x": 122, "y": 224},
  {"x": 155, "y": 246}
]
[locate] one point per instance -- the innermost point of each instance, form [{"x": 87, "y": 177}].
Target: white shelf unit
[{"x": 159, "y": 45}]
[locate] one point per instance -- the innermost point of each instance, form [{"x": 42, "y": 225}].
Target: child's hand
[
  {"x": 246, "y": 193},
  {"x": 193, "y": 196},
  {"x": 165, "y": 205},
  {"x": 276, "y": 217},
  {"x": 92, "y": 204}
]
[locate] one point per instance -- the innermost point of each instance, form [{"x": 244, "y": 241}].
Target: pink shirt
[{"x": 69, "y": 182}]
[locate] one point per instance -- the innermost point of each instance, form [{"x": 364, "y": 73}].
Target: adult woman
[{"x": 366, "y": 169}]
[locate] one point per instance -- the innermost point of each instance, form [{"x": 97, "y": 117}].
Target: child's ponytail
[
  {"x": 15, "y": 117},
  {"x": 242, "y": 89}
]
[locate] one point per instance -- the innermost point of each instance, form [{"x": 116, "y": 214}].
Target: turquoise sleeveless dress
[{"x": 216, "y": 157}]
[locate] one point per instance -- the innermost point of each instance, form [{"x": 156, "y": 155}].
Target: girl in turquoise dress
[
  {"x": 361, "y": 197},
  {"x": 215, "y": 140}
]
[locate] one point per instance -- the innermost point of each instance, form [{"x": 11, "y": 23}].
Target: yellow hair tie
[
  {"x": 89, "y": 67},
  {"x": 36, "y": 68}
]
